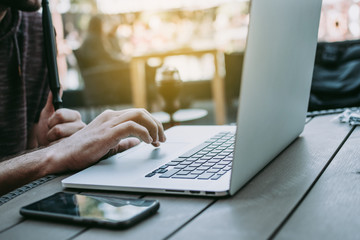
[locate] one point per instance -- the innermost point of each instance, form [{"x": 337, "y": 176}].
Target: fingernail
[
  {"x": 150, "y": 140},
  {"x": 156, "y": 144}
]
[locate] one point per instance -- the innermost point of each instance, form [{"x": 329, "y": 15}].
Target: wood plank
[
  {"x": 331, "y": 209},
  {"x": 10, "y": 211},
  {"x": 173, "y": 213},
  {"x": 37, "y": 230},
  {"x": 259, "y": 208}
]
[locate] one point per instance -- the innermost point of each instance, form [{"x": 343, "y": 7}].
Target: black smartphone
[{"x": 91, "y": 210}]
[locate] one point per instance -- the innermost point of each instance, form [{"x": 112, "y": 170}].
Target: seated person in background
[
  {"x": 93, "y": 52},
  {"x": 113, "y": 40},
  {"x": 58, "y": 140}
]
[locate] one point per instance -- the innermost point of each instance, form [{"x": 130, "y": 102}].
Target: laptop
[{"x": 219, "y": 160}]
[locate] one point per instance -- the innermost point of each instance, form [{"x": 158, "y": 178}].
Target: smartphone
[{"x": 91, "y": 210}]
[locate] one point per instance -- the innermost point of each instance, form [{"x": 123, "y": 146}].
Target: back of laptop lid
[{"x": 276, "y": 82}]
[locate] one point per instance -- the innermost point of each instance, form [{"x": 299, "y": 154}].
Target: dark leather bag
[{"x": 336, "y": 78}]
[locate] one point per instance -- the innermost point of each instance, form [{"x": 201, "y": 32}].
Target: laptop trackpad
[{"x": 149, "y": 153}]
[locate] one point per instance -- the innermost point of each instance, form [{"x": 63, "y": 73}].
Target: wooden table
[
  {"x": 310, "y": 191},
  {"x": 138, "y": 79}
]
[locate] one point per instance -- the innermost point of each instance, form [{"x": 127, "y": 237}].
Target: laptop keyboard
[{"x": 209, "y": 160}]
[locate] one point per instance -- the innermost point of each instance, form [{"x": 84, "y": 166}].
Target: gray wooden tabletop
[{"x": 310, "y": 191}]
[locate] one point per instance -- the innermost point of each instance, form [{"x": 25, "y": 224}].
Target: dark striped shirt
[{"x": 22, "y": 93}]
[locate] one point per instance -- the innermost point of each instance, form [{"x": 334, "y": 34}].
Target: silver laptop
[{"x": 219, "y": 160}]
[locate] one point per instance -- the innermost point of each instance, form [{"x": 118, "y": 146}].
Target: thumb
[{"x": 49, "y": 108}]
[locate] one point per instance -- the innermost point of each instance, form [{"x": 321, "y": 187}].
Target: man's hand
[
  {"x": 53, "y": 126},
  {"x": 108, "y": 133}
]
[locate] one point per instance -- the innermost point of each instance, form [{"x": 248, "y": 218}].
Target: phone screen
[{"x": 90, "y": 207}]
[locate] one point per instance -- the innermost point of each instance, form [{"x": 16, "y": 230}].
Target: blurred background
[{"x": 107, "y": 47}]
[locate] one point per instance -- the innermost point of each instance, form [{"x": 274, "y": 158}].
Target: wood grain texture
[
  {"x": 37, "y": 230},
  {"x": 331, "y": 209},
  {"x": 259, "y": 208},
  {"x": 10, "y": 211}
]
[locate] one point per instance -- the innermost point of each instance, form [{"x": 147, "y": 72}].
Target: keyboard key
[
  {"x": 194, "y": 150},
  {"x": 202, "y": 168},
  {"x": 215, "y": 151},
  {"x": 205, "y": 176},
  {"x": 226, "y": 161},
  {"x": 180, "y": 167},
  {"x": 222, "y": 163},
  {"x": 203, "y": 152},
  {"x": 183, "y": 172},
  {"x": 200, "y": 161},
  {"x": 197, "y": 172},
  {"x": 208, "y": 149},
  {"x": 222, "y": 172},
  {"x": 161, "y": 170},
  {"x": 178, "y": 160},
  {"x": 169, "y": 173},
  {"x": 218, "y": 166},
  {"x": 195, "y": 165},
  {"x": 216, "y": 177},
  {"x": 150, "y": 174},
  {"x": 213, "y": 170},
  {"x": 228, "y": 151},
  {"x": 173, "y": 163},
  {"x": 223, "y": 154},
  {"x": 210, "y": 155},
  {"x": 189, "y": 168},
  {"x": 186, "y": 162},
  {"x": 214, "y": 160},
  {"x": 184, "y": 176},
  {"x": 209, "y": 165}
]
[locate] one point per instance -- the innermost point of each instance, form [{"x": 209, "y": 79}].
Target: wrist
[{"x": 50, "y": 161}]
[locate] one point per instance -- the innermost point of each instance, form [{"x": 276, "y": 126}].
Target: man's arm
[
  {"x": 108, "y": 133},
  {"x": 23, "y": 169}
]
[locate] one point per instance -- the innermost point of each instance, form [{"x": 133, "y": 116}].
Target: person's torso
[{"x": 22, "y": 93}]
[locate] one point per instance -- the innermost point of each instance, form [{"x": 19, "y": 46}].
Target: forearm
[{"x": 20, "y": 170}]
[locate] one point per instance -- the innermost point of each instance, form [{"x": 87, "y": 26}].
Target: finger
[
  {"x": 160, "y": 128},
  {"x": 64, "y": 130},
  {"x": 123, "y": 145},
  {"x": 104, "y": 117},
  {"x": 63, "y": 115},
  {"x": 49, "y": 108},
  {"x": 131, "y": 128},
  {"x": 161, "y": 132},
  {"x": 142, "y": 118},
  {"x": 126, "y": 144}
]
